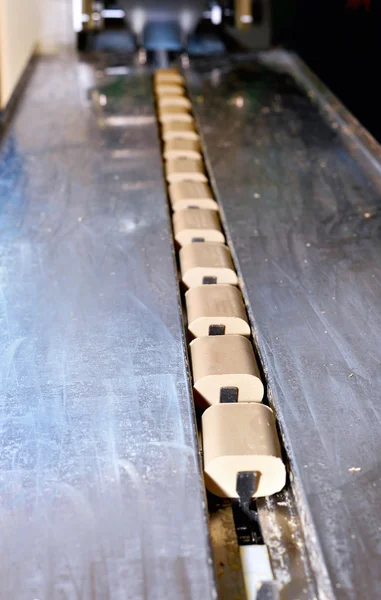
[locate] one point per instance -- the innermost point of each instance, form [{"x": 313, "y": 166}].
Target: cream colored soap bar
[
  {"x": 179, "y": 129},
  {"x": 225, "y": 361},
  {"x": 163, "y": 101},
  {"x": 166, "y": 71},
  {"x": 168, "y": 76},
  {"x": 185, "y": 169},
  {"x": 174, "y": 113},
  {"x": 191, "y": 194},
  {"x": 241, "y": 437},
  {"x": 179, "y": 148},
  {"x": 176, "y": 78},
  {"x": 209, "y": 305},
  {"x": 206, "y": 263},
  {"x": 200, "y": 225},
  {"x": 169, "y": 89}
]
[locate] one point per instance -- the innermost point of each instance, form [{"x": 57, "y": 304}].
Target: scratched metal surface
[
  {"x": 304, "y": 220},
  {"x": 100, "y": 492}
]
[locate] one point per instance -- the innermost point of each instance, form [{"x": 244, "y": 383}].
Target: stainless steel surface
[
  {"x": 100, "y": 489},
  {"x": 283, "y": 534},
  {"x": 302, "y": 212}
]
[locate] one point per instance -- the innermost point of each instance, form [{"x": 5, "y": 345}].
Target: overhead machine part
[{"x": 165, "y": 24}]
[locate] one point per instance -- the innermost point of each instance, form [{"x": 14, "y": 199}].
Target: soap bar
[
  {"x": 241, "y": 438},
  {"x": 174, "y": 113},
  {"x": 179, "y": 148},
  {"x": 199, "y": 225},
  {"x": 210, "y": 305},
  {"x": 168, "y": 76},
  {"x": 166, "y": 71},
  {"x": 169, "y": 89},
  {"x": 165, "y": 100},
  {"x": 206, "y": 262},
  {"x": 179, "y": 129},
  {"x": 225, "y": 361},
  {"x": 185, "y": 169},
  {"x": 191, "y": 194}
]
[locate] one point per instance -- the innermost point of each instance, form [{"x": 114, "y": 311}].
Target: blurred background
[{"x": 339, "y": 39}]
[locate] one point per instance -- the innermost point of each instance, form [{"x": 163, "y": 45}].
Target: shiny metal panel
[
  {"x": 100, "y": 488},
  {"x": 301, "y": 204}
]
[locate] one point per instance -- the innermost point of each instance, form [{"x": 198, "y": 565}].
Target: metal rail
[
  {"x": 302, "y": 212},
  {"x": 100, "y": 487}
]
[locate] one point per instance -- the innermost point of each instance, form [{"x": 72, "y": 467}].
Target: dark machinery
[{"x": 171, "y": 25}]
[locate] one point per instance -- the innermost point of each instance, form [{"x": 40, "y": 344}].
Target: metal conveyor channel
[{"x": 101, "y": 494}]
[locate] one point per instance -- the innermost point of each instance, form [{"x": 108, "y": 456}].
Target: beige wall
[
  {"x": 56, "y": 25},
  {"x": 26, "y": 25},
  {"x": 19, "y": 25}
]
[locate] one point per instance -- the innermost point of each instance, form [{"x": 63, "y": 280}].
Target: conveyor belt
[
  {"x": 100, "y": 489},
  {"x": 100, "y": 494},
  {"x": 303, "y": 218},
  {"x": 242, "y": 455}
]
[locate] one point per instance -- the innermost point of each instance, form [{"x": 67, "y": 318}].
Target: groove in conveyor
[{"x": 226, "y": 376}]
